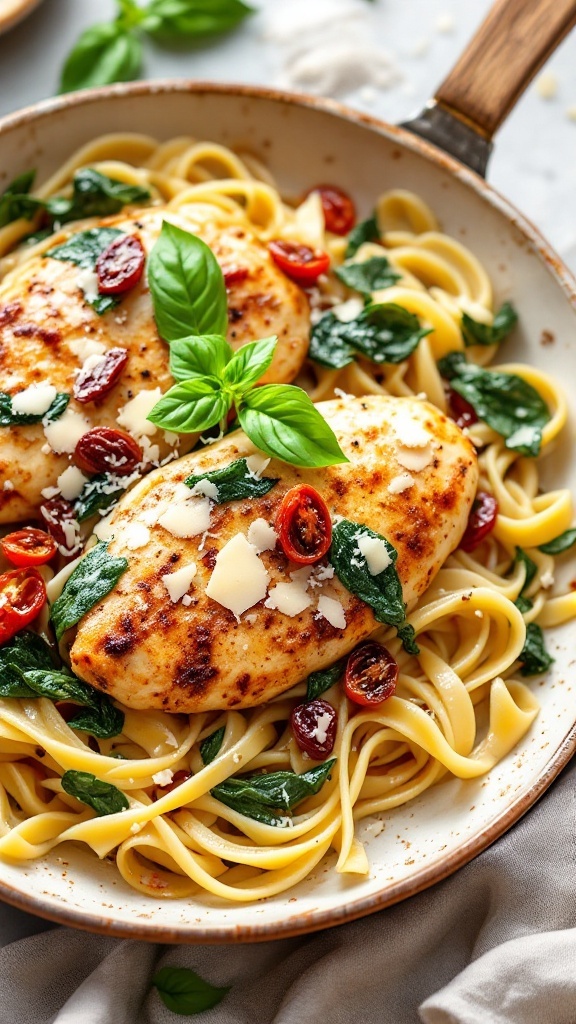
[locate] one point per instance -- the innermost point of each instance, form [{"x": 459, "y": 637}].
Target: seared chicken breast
[
  {"x": 212, "y": 621},
  {"x": 48, "y": 330}
]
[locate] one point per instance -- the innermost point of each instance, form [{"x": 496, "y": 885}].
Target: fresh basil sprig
[
  {"x": 101, "y": 718},
  {"x": 383, "y": 591},
  {"x": 185, "y": 992},
  {"x": 100, "y": 796},
  {"x": 534, "y": 657},
  {"x": 366, "y": 231},
  {"x": 8, "y": 418},
  {"x": 261, "y": 797},
  {"x": 189, "y": 297},
  {"x": 506, "y": 402},
  {"x": 235, "y": 482},
  {"x": 112, "y": 51},
  {"x": 93, "y": 578},
  {"x": 563, "y": 542},
  {"x": 369, "y": 276},
  {"x": 476, "y": 333},
  {"x": 382, "y": 332},
  {"x": 318, "y": 682},
  {"x": 83, "y": 249}
]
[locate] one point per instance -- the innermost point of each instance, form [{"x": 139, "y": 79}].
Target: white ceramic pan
[{"x": 305, "y": 141}]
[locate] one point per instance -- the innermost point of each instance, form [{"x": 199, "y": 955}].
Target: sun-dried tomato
[
  {"x": 93, "y": 383},
  {"x": 107, "y": 450},
  {"x": 314, "y": 728},
  {"x": 371, "y": 674},
  {"x": 121, "y": 265},
  {"x": 60, "y": 520}
]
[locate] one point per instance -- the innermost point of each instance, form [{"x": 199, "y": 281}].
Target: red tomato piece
[
  {"x": 299, "y": 262},
  {"x": 28, "y": 547},
  {"x": 481, "y": 520},
  {"x": 314, "y": 728},
  {"x": 121, "y": 265},
  {"x": 107, "y": 450},
  {"x": 234, "y": 274},
  {"x": 303, "y": 525},
  {"x": 371, "y": 674},
  {"x": 59, "y": 516},
  {"x": 92, "y": 384},
  {"x": 463, "y": 414},
  {"x": 22, "y": 596},
  {"x": 338, "y": 207}
]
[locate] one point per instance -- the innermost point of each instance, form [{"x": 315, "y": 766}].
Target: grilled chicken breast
[
  {"x": 411, "y": 477},
  {"x": 47, "y": 329}
]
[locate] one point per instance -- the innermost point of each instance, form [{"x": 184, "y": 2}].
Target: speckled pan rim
[{"x": 312, "y": 921}]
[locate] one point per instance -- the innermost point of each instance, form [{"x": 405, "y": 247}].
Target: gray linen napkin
[{"x": 494, "y": 944}]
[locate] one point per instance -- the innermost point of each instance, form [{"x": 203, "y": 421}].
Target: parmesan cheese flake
[
  {"x": 239, "y": 580},
  {"x": 262, "y": 535},
  {"x": 34, "y": 400},
  {"x": 333, "y": 611},
  {"x": 375, "y": 552},
  {"x": 177, "y": 583}
]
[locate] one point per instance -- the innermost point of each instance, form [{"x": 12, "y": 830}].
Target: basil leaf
[
  {"x": 199, "y": 356},
  {"x": 563, "y": 542},
  {"x": 383, "y": 333},
  {"x": 318, "y": 682},
  {"x": 94, "y": 195},
  {"x": 103, "y": 54},
  {"x": 170, "y": 20},
  {"x": 8, "y": 418},
  {"x": 365, "y": 231},
  {"x": 15, "y": 203},
  {"x": 249, "y": 363},
  {"x": 24, "y": 651},
  {"x": 187, "y": 286},
  {"x": 185, "y": 992},
  {"x": 85, "y": 247},
  {"x": 506, "y": 402},
  {"x": 235, "y": 482},
  {"x": 369, "y": 276},
  {"x": 534, "y": 657},
  {"x": 210, "y": 748},
  {"x": 523, "y": 604},
  {"x": 382, "y": 592},
  {"x": 282, "y": 421},
  {"x": 102, "y": 719},
  {"x": 93, "y": 578},
  {"x": 476, "y": 333},
  {"x": 101, "y": 796},
  {"x": 259, "y": 796},
  {"x": 193, "y": 405},
  {"x": 99, "y": 493},
  {"x": 530, "y": 566}
]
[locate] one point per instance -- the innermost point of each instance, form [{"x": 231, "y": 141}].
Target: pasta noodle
[{"x": 181, "y": 842}]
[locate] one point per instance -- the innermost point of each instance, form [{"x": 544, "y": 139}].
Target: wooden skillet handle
[{"x": 508, "y": 49}]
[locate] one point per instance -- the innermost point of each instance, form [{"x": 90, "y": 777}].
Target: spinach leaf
[
  {"x": 185, "y": 992},
  {"x": 407, "y": 635},
  {"x": 172, "y": 20},
  {"x": 260, "y": 796},
  {"x": 534, "y": 657},
  {"x": 282, "y": 421},
  {"x": 101, "y": 796},
  {"x": 235, "y": 482},
  {"x": 530, "y": 566},
  {"x": 187, "y": 286},
  {"x": 383, "y": 591},
  {"x": 93, "y": 578},
  {"x": 93, "y": 195},
  {"x": 103, "y": 54},
  {"x": 563, "y": 542},
  {"x": 8, "y": 418},
  {"x": 97, "y": 494},
  {"x": 15, "y": 201},
  {"x": 318, "y": 682},
  {"x": 23, "y": 652},
  {"x": 210, "y": 748},
  {"x": 476, "y": 333},
  {"x": 383, "y": 333},
  {"x": 102, "y": 719},
  {"x": 523, "y": 604},
  {"x": 84, "y": 247},
  {"x": 365, "y": 231},
  {"x": 367, "y": 277},
  {"x": 506, "y": 402}
]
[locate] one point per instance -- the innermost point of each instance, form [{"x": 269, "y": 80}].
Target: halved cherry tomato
[
  {"x": 338, "y": 207},
  {"x": 371, "y": 674},
  {"x": 22, "y": 596},
  {"x": 121, "y": 265},
  {"x": 28, "y": 547},
  {"x": 462, "y": 412},
  {"x": 303, "y": 525},
  {"x": 299, "y": 262},
  {"x": 481, "y": 520}
]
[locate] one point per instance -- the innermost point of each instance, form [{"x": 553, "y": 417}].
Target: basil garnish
[
  {"x": 185, "y": 992},
  {"x": 530, "y": 566},
  {"x": 175, "y": 20},
  {"x": 8, "y": 418},
  {"x": 365, "y": 231},
  {"x": 318, "y": 682},
  {"x": 534, "y": 657},
  {"x": 93, "y": 578},
  {"x": 235, "y": 482},
  {"x": 83, "y": 249},
  {"x": 101, "y": 796},
  {"x": 506, "y": 402},
  {"x": 15, "y": 201},
  {"x": 260, "y": 796},
  {"x": 23, "y": 652},
  {"x": 282, "y": 421},
  {"x": 101, "y": 719},
  {"x": 98, "y": 494},
  {"x": 210, "y": 747},
  {"x": 103, "y": 54},
  {"x": 369, "y": 276},
  {"x": 199, "y": 357},
  {"x": 476, "y": 333},
  {"x": 563, "y": 542},
  {"x": 382, "y": 592},
  {"x": 383, "y": 333}
]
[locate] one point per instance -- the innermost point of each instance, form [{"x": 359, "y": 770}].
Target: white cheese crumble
[
  {"x": 71, "y": 482},
  {"x": 163, "y": 778},
  {"x": 64, "y": 433},
  {"x": 415, "y": 459},
  {"x": 375, "y": 552},
  {"x": 187, "y": 518},
  {"x": 104, "y": 529},
  {"x": 348, "y": 310},
  {"x": 91, "y": 362},
  {"x": 87, "y": 282},
  {"x": 320, "y": 731},
  {"x": 84, "y": 348},
  {"x": 547, "y": 580},
  {"x": 34, "y": 400},
  {"x": 205, "y": 487},
  {"x": 132, "y": 416},
  {"x": 256, "y": 465},
  {"x": 289, "y": 598},
  {"x": 262, "y": 535},
  {"x": 238, "y": 580},
  {"x": 7, "y": 485},
  {"x": 134, "y": 536},
  {"x": 410, "y": 433},
  {"x": 177, "y": 583},
  {"x": 332, "y": 610},
  {"x": 50, "y": 492},
  {"x": 187, "y": 600},
  {"x": 400, "y": 483}
]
